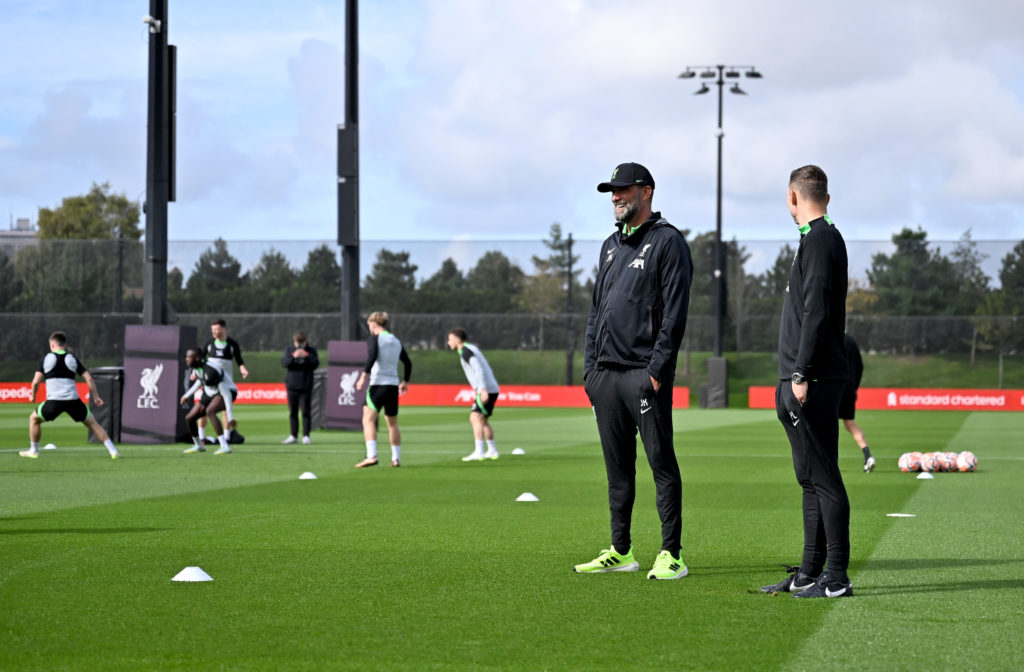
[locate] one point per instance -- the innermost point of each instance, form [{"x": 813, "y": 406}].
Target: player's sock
[
  {"x": 480, "y": 446},
  {"x": 867, "y": 453},
  {"x": 371, "y": 449},
  {"x": 396, "y": 453},
  {"x": 197, "y": 441},
  {"x": 491, "y": 447},
  {"x": 223, "y": 438},
  {"x": 202, "y": 435},
  {"x": 34, "y": 445},
  {"x": 110, "y": 446}
]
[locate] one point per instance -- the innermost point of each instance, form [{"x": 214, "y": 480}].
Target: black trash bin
[
  {"x": 110, "y": 385},
  {"x": 318, "y": 403}
]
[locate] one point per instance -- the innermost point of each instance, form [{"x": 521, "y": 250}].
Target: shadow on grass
[
  {"x": 888, "y": 591},
  {"x": 85, "y": 530},
  {"x": 896, "y": 564}
]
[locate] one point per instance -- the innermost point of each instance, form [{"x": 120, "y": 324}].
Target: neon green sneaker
[
  {"x": 609, "y": 560},
  {"x": 667, "y": 567}
]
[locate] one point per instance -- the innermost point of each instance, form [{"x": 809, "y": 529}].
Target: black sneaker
[
  {"x": 794, "y": 583},
  {"x": 827, "y": 586}
]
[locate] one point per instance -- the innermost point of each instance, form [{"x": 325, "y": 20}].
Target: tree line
[{"x": 104, "y": 274}]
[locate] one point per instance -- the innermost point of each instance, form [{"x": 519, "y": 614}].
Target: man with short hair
[
  {"x": 209, "y": 378},
  {"x": 59, "y": 368},
  {"x": 812, "y": 375},
  {"x": 301, "y": 360},
  {"x": 848, "y": 404},
  {"x": 635, "y": 327},
  {"x": 222, "y": 351},
  {"x": 383, "y": 352},
  {"x": 485, "y": 387}
]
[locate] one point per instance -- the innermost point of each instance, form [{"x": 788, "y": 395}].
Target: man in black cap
[{"x": 636, "y": 324}]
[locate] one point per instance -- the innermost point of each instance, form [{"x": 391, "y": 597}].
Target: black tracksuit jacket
[
  {"x": 641, "y": 298},
  {"x": 811, "y": 331}
]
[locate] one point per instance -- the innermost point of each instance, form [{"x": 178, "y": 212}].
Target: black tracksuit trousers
[
  {"x": 299, "y": 400},
  {"x": 624, "y": 401},
  {"x": 813, "y": 431}
]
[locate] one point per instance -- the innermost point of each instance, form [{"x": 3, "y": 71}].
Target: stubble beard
[{"x": 628, "y": 212}]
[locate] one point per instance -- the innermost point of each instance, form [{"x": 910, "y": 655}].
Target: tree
[
  {"x": 271, "y": 282},
  {"x": 913, "y": 280},
  {"x": 1011, "y": 277},
  {"x": 216, "y": 270},
  {"x": 443, "y": 292},
  {"x": 94, "y": 216},
  {"x": 973, "y": 284},
  {"x": 317, "y": 287},
  {"x": 545, "y": 292},
  {"x": 492, "y": 285},
  {"x": 10, "y": 285},
  {"x": 391, "y": 284}
]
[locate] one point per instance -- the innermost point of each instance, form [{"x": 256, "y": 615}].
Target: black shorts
[
  {"x": 384, "y": 397},
  {"x": 50, "y": 409},
  {"x": 207, "y": 400},
  {"x": 486, "y": 408},
  {"x": 848, "y": 403}
]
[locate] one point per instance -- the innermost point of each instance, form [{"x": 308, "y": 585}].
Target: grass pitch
[{"x": 434, "y": 566}]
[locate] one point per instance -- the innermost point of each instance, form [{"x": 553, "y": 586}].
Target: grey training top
[{"x": 478, "y": 371}]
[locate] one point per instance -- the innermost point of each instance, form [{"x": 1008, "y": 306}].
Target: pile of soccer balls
[{"x": 965, "y": 461}]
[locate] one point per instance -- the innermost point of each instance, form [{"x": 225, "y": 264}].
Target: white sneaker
[
  {"x": 290, "y": 440},
  {"x": 869, "y": 465},
  {"x": 222, "y": 451},
  {"x": 475, "y": 456},
  {"x": 306, "y": 441},
  {"x": 114, "y": 455},
  {"x": 29, "y": 453},
  {"x": 491, "y": 455}
]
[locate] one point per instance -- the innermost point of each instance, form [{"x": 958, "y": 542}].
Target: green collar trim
[
  {"x": 220, "y": 344},
  {"x": 807, "y": 227},
  {"x": 61, "y": 352},
  {"x": 629, "y": 231}
]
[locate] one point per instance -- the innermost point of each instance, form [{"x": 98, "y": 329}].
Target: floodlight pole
[
  {"x": 348, "y": 180},
  {"x": 718, "y": 272},
  {"x": 160, "y": 167}
]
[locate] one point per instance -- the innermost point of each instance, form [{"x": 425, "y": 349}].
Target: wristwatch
[{"x": 799, "y": 378}]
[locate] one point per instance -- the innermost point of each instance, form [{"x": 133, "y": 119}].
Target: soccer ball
[
  {"x": 966, "y": 461},
  {"x": 50, "y": 446},
  {"x": 930, "y": 462},
  {"x": 910, "y": 462},
  {"x": 949, "y": 461}
]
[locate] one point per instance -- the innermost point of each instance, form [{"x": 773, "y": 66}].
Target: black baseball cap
[{"x": 626, "y": 175}]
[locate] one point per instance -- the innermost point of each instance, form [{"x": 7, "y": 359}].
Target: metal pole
[
  {"x": 569, "y": 335},
  {"x": 719, "y": 275},
  {"x": 158, "y": 168},
  {"x": 350, "y": 247}
]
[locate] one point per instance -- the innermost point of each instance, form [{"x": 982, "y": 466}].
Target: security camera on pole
[{"x": 715, "y": 393}]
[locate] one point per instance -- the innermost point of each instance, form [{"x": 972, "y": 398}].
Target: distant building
[{"x": 21, "y": 235}]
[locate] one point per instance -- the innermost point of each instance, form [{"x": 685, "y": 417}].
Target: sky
[{"x": 492, "y": 119}]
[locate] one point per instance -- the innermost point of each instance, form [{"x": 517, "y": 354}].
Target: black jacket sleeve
[
  {"x": 817, "y": 286},
  {"x": 371, "y": 353},
  {"x": 676, "y": 274},
  {"x": 407, "y": 363},
  {"x": 238, "y": 351},
  {"x": 590, "y": 337}
]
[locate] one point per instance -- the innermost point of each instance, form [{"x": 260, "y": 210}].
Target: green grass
[{"x": 434, "y": 566}]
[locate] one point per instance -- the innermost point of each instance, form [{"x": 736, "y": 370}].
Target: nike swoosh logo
[
  {"x": 796, "y": 589},
  {"x": 829, "y": 593},
  {"x": 646, "y": 409}
]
